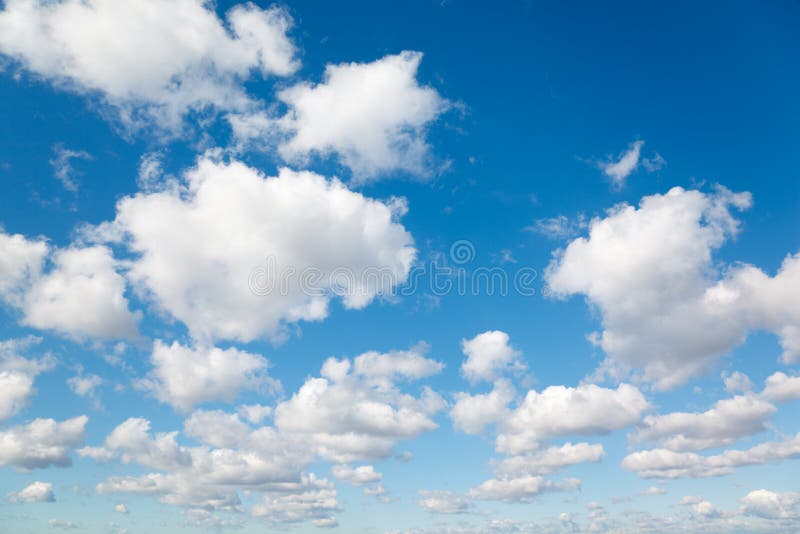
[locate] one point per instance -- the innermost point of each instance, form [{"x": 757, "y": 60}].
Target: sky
[{"x": 436, "y": 266}]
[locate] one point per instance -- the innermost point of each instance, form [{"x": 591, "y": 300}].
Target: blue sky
[{"x": 627, "y": 170}]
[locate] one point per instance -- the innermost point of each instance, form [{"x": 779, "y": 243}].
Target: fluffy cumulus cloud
[
  {"x": 17, "y": 375},
  {"x": 21, "y": 262},
  {"x": 237, "y": 255},
  {"x": 780, "y": 387},
  {"x": 346, "y": 115},
  {"x": 727, "y": 421},
  {"x": 184, "y": 376},
  {"x": 151, "y": 62},
  {"x": 356, "y": 476},
  {"x": 355, "y": 412},
  {"x": 665, "y": 309},
  {"x": 81, "y": 296},
  {"x": 472, "y": 413},
  {"x": 33, "y": 492},
  {"x": 524, "y": 426},
  {"x": 351, "y": 415},
  {"x": 771, "y": 505},
  {"x": 41, "y": 443},
  {"x": 489, "y": 355},
  {"x": 564, "y": 411}
]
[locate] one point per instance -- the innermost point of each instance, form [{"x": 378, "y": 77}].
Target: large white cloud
[
  {"x": 665, "y": 310},
  {"x": 81, "y": 296},
  {"x": 237, "y": 255},
  {"x": 152, "y": 61},
  {"x": 556, "y": 411},
  {"x": 373, "y": 116},
  {"x": 724, "y": 423},
  {"x": 41, "y": 443},
  {"x": 184, "y": 377}
]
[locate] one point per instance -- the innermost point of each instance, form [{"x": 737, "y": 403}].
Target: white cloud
[
  {"x": 736, "y": 382},
  {"x": 82, "y": 296},
  {"x": 550, "y": 460},
  {"x": 724, "y": 423},
  {"x": 770, "y": 505},
  {"x": 84, "y": 385},
  {"x": 216, "y": 428},
  {"x": 21, "y": 262},
  {"x": 34, "y": 492},
  {"x": 471, "y": 414},
  {"x": 665, "y": 310},
  {"x": 559, "y": 227},
  {"x": 254, "y": 413},
  {"x": 347, "y": 115},
  {"x": 358, "y": 476},
  {"x": 64, "y": 525},
  {"x": 151, "y": 61},
  {"x": 62, "y": 165},
  {"x": 489, "y": 356},
  {"x": 628, "y": 161},
  {"x": 316, "y": 502},
  {"x": 347, "y": 418},
  {"x": 17, "y": 375},
  {"x": 519, "y": 489},
  {"x": 352, "y": 413},
  {"x": 652, "y": 490},
  {"x": 299, "y": 241},
  {"x": 562, "y": 411},
  {"x": 386, "y": 368},
  {"x": 41, "y": 443},
  {"x": 780, "y": 387},
  {"x": 663, "y": 463},
  {"x": 444, "y": 502},
  {"x": 121, "y": 508},
  {"x": 184, "y": 376}
]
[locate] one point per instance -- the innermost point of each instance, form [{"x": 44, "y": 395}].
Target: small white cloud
[
  {"x": 121, "y": 508},
  {"x": 652, "y": 490},
  {"x": 736, "y": 382},
  {"x": 444, "y": 502},
  {"x": 347, "y": 115},
  {"x": 488, "y": 356},
  {"x": 619, "y": 170},
  {"x": 34, "y": 492},
  {"x": 62, "y": 165},
  {"x": 84, "y": 385}
]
